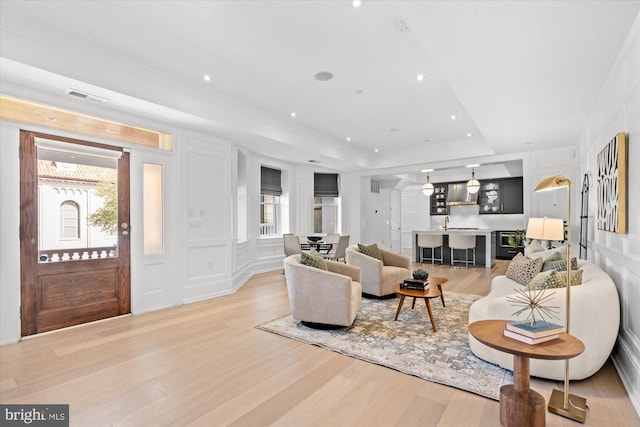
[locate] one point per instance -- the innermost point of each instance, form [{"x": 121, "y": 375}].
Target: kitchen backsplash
[{"x": 469, "y": 217}]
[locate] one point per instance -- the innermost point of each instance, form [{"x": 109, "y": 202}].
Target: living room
[{"x": 211, "y": 177}]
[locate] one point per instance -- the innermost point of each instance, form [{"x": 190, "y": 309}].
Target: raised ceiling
[{"x": 517, "y": 75}]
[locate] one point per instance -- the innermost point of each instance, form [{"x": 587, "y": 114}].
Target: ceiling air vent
[
  {"x": 83, "y": 95},
  {"x": 375, "y": 186}
]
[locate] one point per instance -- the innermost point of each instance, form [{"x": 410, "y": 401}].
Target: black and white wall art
[{"x": 612, "y": 185}]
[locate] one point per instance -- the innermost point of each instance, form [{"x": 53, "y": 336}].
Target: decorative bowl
[
  {"x": 314, "y": 238},
  {"x": 420, "y": 274}
]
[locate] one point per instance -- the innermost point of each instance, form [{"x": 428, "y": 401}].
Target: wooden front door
[{"x": 74, "y": 232}]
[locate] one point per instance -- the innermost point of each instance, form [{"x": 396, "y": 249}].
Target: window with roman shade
[
  {"x": 270, "y": 181},
  {"x": 325, "y": 185},
  {"x": 326, "y": 206},
  {"x": 270, "y": 192}
]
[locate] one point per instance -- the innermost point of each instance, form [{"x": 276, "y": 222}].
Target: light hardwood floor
[{"x": 204, "y": 364}]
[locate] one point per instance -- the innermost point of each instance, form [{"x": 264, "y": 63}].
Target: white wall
[
  {"x": 9, "y": 237},
  {"x": 206, "y": 196},
  {"x": 375, "y": 224},
  {"x": 618, "y": 110}
]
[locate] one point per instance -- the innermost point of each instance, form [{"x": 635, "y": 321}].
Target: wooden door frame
[{"x": 29, "y": 227}]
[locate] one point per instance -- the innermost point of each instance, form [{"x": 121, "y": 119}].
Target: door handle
[{"x": 125, "y": 228}]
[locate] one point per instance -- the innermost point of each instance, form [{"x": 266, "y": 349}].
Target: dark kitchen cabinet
[
  {"x": 501, "y": 196},
  {"x": 512, "y": 200},
  {"x": 439, "y": 199}
]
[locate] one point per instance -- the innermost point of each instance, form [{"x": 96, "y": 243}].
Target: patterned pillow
[
  {"x": 559, "y": 265},
  {"x": 313, "y": 259},
  {"x": 544, "y": 280},
  {"x": 576, "y": 277},
  {"x": 371, "y": 250},
  {"x": 555, "y": 257},
  {"x": 553, "y": 279},
  {"x": 522, "y": 269}
]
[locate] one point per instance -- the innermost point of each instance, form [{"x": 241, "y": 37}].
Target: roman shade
[
  {"x": 270, "y": 181},
  {"x": 325, "y": 185}
]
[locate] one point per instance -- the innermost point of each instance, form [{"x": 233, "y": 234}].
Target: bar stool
[
  {"x": 466, "y": 242},
  {"x": 430, "y": 241}
]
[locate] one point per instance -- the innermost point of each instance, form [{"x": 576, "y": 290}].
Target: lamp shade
[
  {"x": 553, "y": 183},
  {"x": 545, "y": 229}
]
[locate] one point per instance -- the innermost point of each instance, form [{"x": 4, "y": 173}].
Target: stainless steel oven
[
  {"x": 504, "y": 238},
  {"x": 504, "y": 250}
]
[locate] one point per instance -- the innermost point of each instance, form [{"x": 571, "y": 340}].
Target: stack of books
[
  {"x": 537, "y": 333},
  {"x": 419, "y": 285}
]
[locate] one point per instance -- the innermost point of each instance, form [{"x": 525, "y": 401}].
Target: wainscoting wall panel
[
  {"x": 617, "y": 110},
  {"x": 207, "y": 191}
]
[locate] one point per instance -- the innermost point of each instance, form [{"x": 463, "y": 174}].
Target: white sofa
[{"x": 595, "y": 317}]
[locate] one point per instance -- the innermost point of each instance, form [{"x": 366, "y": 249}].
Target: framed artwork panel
[{"x": 612, "y": 185}]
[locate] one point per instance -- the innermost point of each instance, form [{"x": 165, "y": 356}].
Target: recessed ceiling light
[
  {"x": 453, "y": 117},
  {"x": 358, "y": 91},
  {"x": 348, "y": 138},
  {"x": 314, "y": 161},
  {"x": 420, "y": 77},
  {"x": 475, "y": 165},
  {"x": 356, "y": 3},
  {"x": 51, "y": 119},
  {"x": 293, "y": 114},
  {"x": 427, "y": 140},
  {"x": 427, "y": 170},
  {"x": 376, "y": 150},
  {"x": 394, "y": 130},
  {"x": 207, "y": 78},
  {"x": 528, "y": 143},
  {"x": 323, "y": 76},
  {"x": 469, "y": 135}
]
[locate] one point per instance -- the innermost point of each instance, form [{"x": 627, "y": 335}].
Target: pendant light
[
  {"x": 473, "y": 185},
  {"x": 427, "y": 188}
]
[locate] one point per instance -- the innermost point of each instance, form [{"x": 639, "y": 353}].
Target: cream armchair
[
  {"x": 378, "y": 277},
  {"x": 323, "y": 299}
]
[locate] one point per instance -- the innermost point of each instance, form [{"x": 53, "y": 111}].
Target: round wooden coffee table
[
  {"x": 430, "y": 292},
  {"x": 519, "y": 405}
]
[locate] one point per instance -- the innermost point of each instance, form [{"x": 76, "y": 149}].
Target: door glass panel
[
  {"x": 152, "y": 206},
  {"x": 77, "y": 202}
]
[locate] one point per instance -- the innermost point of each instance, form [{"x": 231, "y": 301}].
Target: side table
[{"x": 519, "y": 405}]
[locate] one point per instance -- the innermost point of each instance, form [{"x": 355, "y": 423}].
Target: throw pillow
[
  {"x": 549, "y": 253},
  {"x": 559, "y": 265},
  {"x": 371, "y": 250},
  {"x": 554, "y": 257},
  {"x": 313, "y": 259},
  {"x": 554, "y": 279},
  {"x": 523, "y": 270},
  {"x": 534, "y": 246},
  {"x": 543, "y": 280},
  {"x": 576, "y": 277}
]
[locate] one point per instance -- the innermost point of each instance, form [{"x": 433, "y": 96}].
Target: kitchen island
[{"x": 485, "y": 244}]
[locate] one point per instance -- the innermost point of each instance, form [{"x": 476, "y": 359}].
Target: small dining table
[{"x": 320, "y": 246}]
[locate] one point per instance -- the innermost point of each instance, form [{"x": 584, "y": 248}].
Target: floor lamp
[{"x": 561, "y": 402}]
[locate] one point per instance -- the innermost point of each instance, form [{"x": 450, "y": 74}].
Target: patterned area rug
[{"x": 409, "y": 345}]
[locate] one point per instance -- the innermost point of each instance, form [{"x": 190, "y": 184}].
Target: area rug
[{"x": 409, "y": 345}]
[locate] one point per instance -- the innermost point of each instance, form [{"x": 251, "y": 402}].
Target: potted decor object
[{"x": 420, "y": 274}]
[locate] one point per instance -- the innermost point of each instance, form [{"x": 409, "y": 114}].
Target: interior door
[{"x": 74, "y": 232}]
